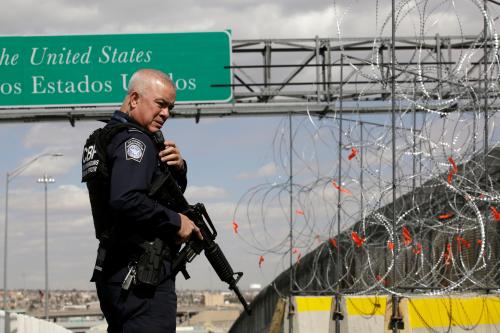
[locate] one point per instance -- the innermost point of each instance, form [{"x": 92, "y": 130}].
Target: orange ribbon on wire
[
  {"x": 382, "y": 280},
  {"x": 462, "y": 242},
  {"x": 417, "y": 249},
  {"x": 453, "y": 164},
  {"x": 333, "y": 242},
  {"x": 261, "y": 261},
  {"x": 353, "y": 153},
  {"x": 357, "y": 239},
  {"x": 453, "y": 171},
  {"x": 445, "y": 216},
  {"x": 340, "y": 188},
  {"x": 447, "y": 254},
  {"x": 407, "y": 236},
  {"x": 495, "y": 213},
  {"x": 297, "y": 252}
]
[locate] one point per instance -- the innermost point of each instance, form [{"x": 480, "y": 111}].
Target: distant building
[
  {"x": 211, "y": 299},
  {"x": 255, "y": 286},
  {"x": 214, "y": 320}
]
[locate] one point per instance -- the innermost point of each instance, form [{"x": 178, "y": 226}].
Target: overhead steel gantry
[{"x": 277, "y": 76}]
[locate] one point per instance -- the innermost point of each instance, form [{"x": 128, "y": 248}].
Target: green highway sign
[{"x": 95, "y": 69}]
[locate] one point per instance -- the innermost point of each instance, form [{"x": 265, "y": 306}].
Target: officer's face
[{"x": 152, "y": 107}]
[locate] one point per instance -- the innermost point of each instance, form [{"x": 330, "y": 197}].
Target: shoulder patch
[{"x": 134, "y": 149}]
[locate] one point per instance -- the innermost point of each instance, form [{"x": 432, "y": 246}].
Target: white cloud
[
  {"x": 255, "y": 19},
  {"x": 266, "y": 170},
  {"x": 74, "y": 225},
  {"x": 76, "y": 13},
  {"x": 47, "y": 164},
  {"x": 60, "y": 134},
  {"x": 70, "y": 198},
  {"x": 58, "y": 138},
  {"x": 60, "y": 199},
  {"x": 273, "y": 20},
  {"x": 200, "y": 193}
]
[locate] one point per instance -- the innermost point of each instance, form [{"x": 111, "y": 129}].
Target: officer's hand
[
  {"x": 172, "y": 155},
  {"x": 187, "y": 229}
]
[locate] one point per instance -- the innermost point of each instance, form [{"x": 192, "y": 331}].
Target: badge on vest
[{"x": 134, "y": 149}]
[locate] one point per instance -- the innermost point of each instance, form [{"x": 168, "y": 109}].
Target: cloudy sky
[{"x": 226, "y": 156}]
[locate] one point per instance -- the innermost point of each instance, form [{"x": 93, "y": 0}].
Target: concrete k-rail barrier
[
  {"x": 372, "y": 314},
  {"x": 20, "y": 323}
]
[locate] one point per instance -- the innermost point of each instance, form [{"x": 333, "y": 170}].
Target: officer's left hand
[
  {"x": 186, "y": 229},
  {"x": 172, "y": 155}
]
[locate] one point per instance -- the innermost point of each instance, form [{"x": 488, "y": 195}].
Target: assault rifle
[{"x": 166, "y": 191}]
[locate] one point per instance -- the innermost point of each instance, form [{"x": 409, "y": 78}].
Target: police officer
[{"x": 132, "y": 160}]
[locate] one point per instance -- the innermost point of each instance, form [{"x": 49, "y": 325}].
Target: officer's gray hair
[{"x": 142, "y": 78}]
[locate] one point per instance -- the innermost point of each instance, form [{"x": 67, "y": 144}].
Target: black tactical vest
[{"x": 95, "y": 173}]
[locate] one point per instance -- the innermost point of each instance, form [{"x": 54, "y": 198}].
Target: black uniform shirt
[{"x": 133, "y": 160}]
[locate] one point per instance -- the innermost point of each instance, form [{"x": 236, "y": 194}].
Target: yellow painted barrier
[
  {"x": 366, "y": 305},
  {"x": 364, "y": 314},
  {"x": 312, "y": 314},
  {"x": 372, "y": 314},
  {"x": 308, "y": 304},
  {"x": 463, "y": 314}
]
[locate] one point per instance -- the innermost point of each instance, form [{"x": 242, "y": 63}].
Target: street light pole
[
  {"x": 5, "y": 245},
  {"x": 45, "y": 180},
  {"x": 8, "y": 178}
]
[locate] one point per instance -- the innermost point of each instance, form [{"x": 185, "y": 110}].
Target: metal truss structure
[{"x": 277, "y": 76}]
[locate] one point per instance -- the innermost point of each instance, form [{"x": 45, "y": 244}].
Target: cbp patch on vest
[{"x": 134, "y": 149}]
